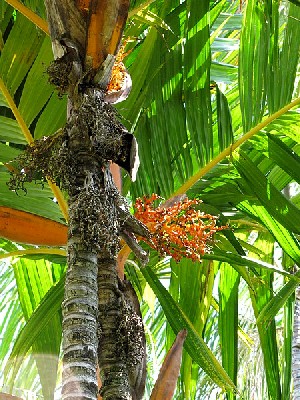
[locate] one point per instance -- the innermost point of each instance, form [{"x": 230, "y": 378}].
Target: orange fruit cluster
[
  {"x": 118, "y": 72},
  {"x": 117, "y": 77},
  {"x": 180, "y": 230}
]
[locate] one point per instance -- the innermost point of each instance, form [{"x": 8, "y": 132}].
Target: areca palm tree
[{"x": 213, "y": 106}]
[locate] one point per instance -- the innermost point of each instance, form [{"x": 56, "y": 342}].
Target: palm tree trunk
[
  {"x": 80, "y": 307},
  {"x": 112, "y": 355},
  {"x": 92, "y": 243},
  {"x": 97, "y": 305},
  {"x": 296, "y": 332},
  {"x": 121, "y": 338},
  {"x": 296, "y": 347}
]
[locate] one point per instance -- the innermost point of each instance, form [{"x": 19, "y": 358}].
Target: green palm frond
[{"x": 204, "y": 74}]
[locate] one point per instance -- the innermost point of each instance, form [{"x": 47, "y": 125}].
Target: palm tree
[{"x": 211, "y": 107}]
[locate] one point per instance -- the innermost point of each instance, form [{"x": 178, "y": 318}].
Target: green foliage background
[{"x": 204, "y": 73}]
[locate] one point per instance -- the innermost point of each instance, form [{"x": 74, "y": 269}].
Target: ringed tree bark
[{"x": 98, "y": 306}]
